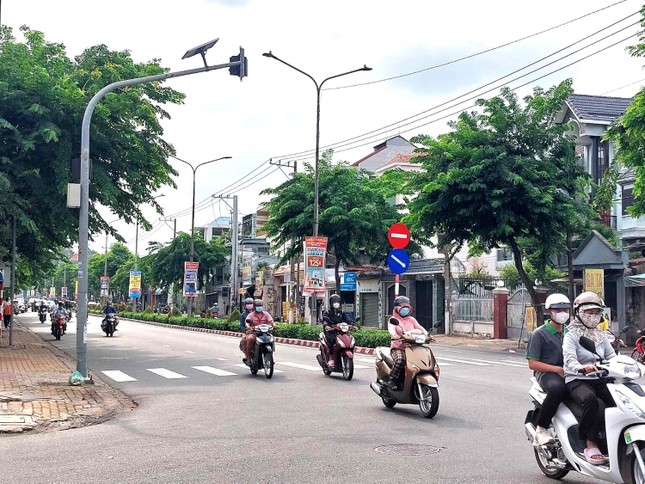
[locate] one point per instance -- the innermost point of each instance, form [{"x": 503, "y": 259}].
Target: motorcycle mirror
[
  {"x": 394, "y": 321},
  {"x": 589, "y": 345}
]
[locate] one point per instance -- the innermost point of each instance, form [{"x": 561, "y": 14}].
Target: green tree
[
  {"x": 43, "y": 95},
  {"x": 354, "y": 213},
  {"x": 505, "y": 175},
  {"x": 117, "y": 257},
  {"x": 167, "y": 264}
]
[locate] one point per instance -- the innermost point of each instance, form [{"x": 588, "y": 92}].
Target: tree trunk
[{"x": 535, "y": 300}]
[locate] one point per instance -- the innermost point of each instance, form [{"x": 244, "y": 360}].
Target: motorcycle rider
[
  {"x": 62, "y": 312},
  {"x": 401, "y": 312},
  {"x": 586, "y": 390},
  {"x": 248, "y": 308},
  {"x": 109, "y": 309},
  {"x": 255, "y": 318},
  {"x": 544, "y": 355},
  {"x": 331, "y": 317}
]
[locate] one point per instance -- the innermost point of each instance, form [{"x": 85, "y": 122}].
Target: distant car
[{"x": 92, "y": 304}]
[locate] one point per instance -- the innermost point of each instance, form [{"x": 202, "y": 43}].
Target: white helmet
[{"x": 557, "y": 301}]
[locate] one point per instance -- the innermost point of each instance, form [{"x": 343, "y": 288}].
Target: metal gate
[{"x": 518, "y": 301}]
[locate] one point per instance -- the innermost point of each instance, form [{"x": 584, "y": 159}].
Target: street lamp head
[
  {"x": 200, "y": 49},
  {"x": 269, "y": 54},
  {"x": 365, "y": 68}
]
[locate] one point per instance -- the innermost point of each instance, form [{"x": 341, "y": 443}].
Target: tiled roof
[{"x": 598, "y": 108}]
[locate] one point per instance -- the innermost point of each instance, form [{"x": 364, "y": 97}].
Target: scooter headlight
[
  {"x": 630, "y": 405},
  {"x": 632, "y": 371}
]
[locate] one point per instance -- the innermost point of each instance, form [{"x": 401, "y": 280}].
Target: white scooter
[{"x": 625, "y": 426}]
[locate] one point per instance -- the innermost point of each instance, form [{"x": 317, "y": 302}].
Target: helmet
[
  {"x": 258, "y": 302},
  {"x": 334, "y": 298},
  {"x": 588, "y": 300},
  {"x": 248, "y": 300},
  {"x": 401, "y": 300},
  {"x": 557, "y": 301}
]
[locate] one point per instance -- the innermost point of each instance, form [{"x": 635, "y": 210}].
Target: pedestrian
[{"x": 6, "y": 312}]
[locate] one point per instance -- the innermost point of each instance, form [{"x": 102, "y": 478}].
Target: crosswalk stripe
[
  {"x": 299, "y": 365},
  {"x": 361, "y": 367},
  {"x": 242, "y": 365},
  {"x": 165, "y": 373},
  {"x": 463, "y": 361},
  {"x": 118, "y": 376},
  {"x": 214, "y": 371},
  {"x": 500, "y": 363}
]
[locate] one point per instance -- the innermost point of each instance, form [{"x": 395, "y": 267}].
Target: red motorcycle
[
  {"x": 59, "y": 325},
  {"x": 343, "y": 356},
  {"x": 639, "y": 351}
]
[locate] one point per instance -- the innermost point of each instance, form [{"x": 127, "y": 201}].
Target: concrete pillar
[{"x": 500, "y": 312}]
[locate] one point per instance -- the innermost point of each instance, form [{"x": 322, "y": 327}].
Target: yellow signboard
[
  {"x": 595, "y": 281},
  {"x": 530, "y": 318}
]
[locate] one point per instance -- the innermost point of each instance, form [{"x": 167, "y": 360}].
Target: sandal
[{"x": 594, "y": 456}]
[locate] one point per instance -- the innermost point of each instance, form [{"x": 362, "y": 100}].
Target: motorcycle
[
  {"x": 421, "y": 374},
  {"x": 617, "y": 341},
  {"x": 42, "y": 315},
  {"x": 625, "y": 426},
  {"x": 59, "y": 325},
  {"x": 262, "y": 353},
  {"x": 109, "y": 324},
  {"x": 343, "y": 355}
]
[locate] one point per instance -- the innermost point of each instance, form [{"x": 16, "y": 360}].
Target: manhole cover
[{"x": 408, "y": 449}]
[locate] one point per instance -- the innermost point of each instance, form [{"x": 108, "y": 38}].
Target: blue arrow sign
[{"x": 398, "y": 261}]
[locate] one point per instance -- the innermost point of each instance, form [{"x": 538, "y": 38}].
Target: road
[{"x": 204, "y": 418}]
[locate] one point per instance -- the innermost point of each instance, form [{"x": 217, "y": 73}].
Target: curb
[{"x": 278, "y": 339}]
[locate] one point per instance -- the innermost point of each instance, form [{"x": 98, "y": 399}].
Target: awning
[{"x": 636, "y": 280}]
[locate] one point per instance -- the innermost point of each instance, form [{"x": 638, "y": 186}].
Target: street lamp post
[
  {"x": 192, "y": 221},
  {"x": 316, "y": 174},
  {"x": 318, "y": 89}
]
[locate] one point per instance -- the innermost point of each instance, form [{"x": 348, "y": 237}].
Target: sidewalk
[{"x": 34, "y": 391}]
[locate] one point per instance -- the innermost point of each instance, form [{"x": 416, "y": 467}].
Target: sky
[{"x": 271, "y": 114}]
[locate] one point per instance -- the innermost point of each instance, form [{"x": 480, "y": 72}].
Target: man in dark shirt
[{"x": 544, "y": 355}]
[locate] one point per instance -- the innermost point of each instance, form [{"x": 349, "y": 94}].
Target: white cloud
[{"x": 272, "y": 112}]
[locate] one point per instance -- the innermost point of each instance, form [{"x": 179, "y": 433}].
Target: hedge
[{"x": 368, "y": 338}]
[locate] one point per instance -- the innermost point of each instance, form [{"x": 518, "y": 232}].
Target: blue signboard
[
  {"x": 398, "y": 261},
  {"x": 348, "y": 282}
]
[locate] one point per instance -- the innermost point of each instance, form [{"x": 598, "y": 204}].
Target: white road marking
[
  {"x": 188, "y": 351},
  {"x": 462, "y": 361},
  {"x": 118, "y": 376},
  {"x": 299, "y": 365},
  {"x": 165, "y": 373},
  {"x": 242, "y": 365},
  {"x": 500, "y": 363},
  {"x": 221, "y": 359},
  {"x": 214, "y": 371}
]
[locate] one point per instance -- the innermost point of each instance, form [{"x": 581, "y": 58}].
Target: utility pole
[
  {"x": 13, "y": 280},
  {"x": 234, "y": 248}
]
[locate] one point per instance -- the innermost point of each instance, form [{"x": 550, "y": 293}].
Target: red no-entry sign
[{"x": 398, "y": 235}]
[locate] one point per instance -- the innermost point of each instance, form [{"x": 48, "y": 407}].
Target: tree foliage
[
  {"x": 354, "y": 213},
  {"x": 505, "y": 176},
  {"x": 43, "y": 95}
]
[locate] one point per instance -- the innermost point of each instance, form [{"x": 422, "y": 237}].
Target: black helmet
[
  {"x": 401, "y": 300},
  {"x": 248, "y": 300},
  {"x": 334, "y": 298}
]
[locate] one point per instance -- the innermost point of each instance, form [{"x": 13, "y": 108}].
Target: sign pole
[{"x": 396, "y": 286}]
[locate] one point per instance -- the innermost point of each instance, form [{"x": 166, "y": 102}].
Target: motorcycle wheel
[
  {"x": 637, "y": 356},
  {"x": 267, "y": 362},
  {"x": 430, "y": 405},
  {"x": 543, "y": 465},
  {"x": 57, "y": 333},
  {"x": 637, "y": 474},
  {"x": 348, "y": 367},
  {"x": 254, "y": 370}
]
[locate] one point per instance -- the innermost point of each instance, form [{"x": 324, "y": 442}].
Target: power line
[
  {"x": 470, "y": 56},
  {"x": 622, "y": 87},
  {"x": 402, "y": 123}
]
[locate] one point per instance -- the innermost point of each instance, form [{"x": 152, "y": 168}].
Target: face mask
[
  {"x": 259, "y": 309},
  {"x": 404, "y": 312},
  {"x": 336, "y": 305},
  {"x": 249, "y": 307},
  {"x": 561, "y": 318},
  {"x": 590, "y": 320}
]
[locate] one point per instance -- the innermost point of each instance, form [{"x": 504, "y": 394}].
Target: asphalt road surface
[{"x": 203, "y": 418}]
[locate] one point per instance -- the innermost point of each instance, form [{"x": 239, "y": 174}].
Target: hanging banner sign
[
  {"x": 595, "y": 281},
  {"x": 63, "y": 292},
  {"x": 135, "y": 284},
  {"x": 315, "y": 251},
  {"x": 105, "y": 285},
  {"x": 75, "y": 288},
  {"x": 247, "y": 279},
  {"x": 190, "y": 278}
]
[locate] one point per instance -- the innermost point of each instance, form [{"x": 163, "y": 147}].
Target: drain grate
[{"x": 408, "y": 449}]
